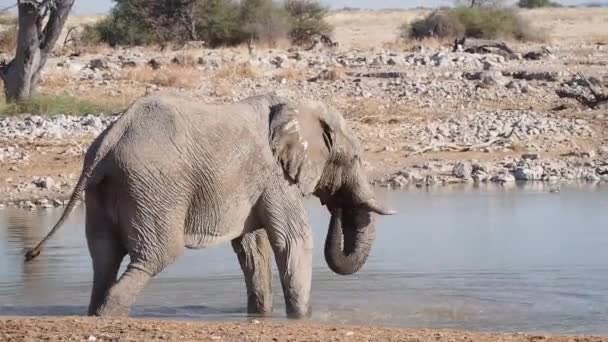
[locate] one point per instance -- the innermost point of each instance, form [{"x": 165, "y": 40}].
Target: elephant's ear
[{"x": 301, "y": 142}]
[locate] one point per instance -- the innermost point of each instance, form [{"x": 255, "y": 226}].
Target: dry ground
[{"x": 87, "y": 329}]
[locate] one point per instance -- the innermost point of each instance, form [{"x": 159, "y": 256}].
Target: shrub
[
  {"x": 217, "y": 22},
  {"x": 537, "y": 3},
  {"x": 124, "y": 26},
  {"x": 437, "y": 24},
  {"x": 307, "y": 19},
  {"x": 475, "y": 22},
  {"x": 264, "y": 21}
]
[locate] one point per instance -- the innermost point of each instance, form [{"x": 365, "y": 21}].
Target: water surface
[{"x": 482, "y": 258}]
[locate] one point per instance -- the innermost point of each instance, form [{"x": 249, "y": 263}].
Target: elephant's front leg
[
  {"x": 291, "y": 240},
  {"x": 254, "y": 253}
]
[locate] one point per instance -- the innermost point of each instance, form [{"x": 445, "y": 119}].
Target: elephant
[{"x": 172, "y": 173}]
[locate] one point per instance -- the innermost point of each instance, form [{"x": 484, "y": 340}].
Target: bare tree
[{"x": 40, "y": 24}]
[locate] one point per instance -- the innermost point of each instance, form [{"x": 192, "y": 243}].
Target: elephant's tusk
[{"x": 375, "y": 208}]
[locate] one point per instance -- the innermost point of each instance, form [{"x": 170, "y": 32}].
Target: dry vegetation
[{"x": 173, "y": 76}]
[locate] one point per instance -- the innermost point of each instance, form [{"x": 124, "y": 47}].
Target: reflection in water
[{"x": 506, "y": 258}]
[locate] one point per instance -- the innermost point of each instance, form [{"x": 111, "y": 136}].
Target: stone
[
  {"x": 528, "y": 174},
  {"x": 154, "y": 64},
  {"x": 42, "y": 201},
  {"x": 46, "y": 183},
  {"x": 462, "y": 170},
  {"x": 92, "y": 121},
  {"x": 590, "y": 176},
  {"x": 399, "y": 181},
  {"x": 530, "y": 156},
  {"x": 479, "y": 176},
  {"x": 602, "y": 170},
  {"x": 98, "y": 63},
  {"x": 503, "y": 177}
]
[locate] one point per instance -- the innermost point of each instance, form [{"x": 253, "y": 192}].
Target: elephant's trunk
[
  {"x": 352, "y": 229},
  {"x": 349, "y": 240}
]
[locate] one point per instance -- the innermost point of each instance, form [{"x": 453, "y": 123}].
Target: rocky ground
[
  {"x": 87, "y": 329},
  {"x": 425, "y": 115}
]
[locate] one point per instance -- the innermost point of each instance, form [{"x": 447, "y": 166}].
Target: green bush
[
  {"x": 537, "y": 3},
  {"x": 475, "y": 22},
  {"x": 307, "y": 19},
  {"x": 264, "y": 21},
  {"x": 217, "y": 22},
  {"x": 437, "y": 24},
  {"x": 126, "y": 25}
]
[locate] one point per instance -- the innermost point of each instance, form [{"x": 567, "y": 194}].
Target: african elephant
[{"x": 172, "y": 173}]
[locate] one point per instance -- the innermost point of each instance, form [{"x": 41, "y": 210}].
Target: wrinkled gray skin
[{"x": 171, "y": 174}]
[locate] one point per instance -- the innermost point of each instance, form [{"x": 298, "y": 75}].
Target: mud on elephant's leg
[{"x": 254, "y": 253}]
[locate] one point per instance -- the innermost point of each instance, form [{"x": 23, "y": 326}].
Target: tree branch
[
  {"x": 57, "y": 18},
  {"x": 597, "y": 99}
]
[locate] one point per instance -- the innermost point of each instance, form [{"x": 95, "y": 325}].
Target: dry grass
[
  {"x": 170, "y": 76},
  {"x": 8, "y": 39},
  {"x": 56, "y": 79},
  {"x": 375, "y": 29},
  {"x": 238, "y": 71},
  {"x": 187, "y": 58},
  {"x": 568, "y": 25},
  {"x": 290, "y": 74},
  {"x": 370, "y": 29}
]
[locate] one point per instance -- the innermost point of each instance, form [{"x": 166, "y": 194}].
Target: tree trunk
[{"x": 34, "y": 44}]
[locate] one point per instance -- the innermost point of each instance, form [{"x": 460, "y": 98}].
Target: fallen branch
[
  {"x": 455, "y": 147},
  {"x": 472, "y": 45},
  {"x": 598, "y": 98}
]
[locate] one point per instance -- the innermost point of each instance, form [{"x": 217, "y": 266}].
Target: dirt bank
[{"x": 88, "y": 329}]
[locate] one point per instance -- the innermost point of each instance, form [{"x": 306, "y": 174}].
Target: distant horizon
[{"x": 87, "y": 7}]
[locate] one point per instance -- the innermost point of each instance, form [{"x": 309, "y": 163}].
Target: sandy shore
[{"x": 95, "y": 329}]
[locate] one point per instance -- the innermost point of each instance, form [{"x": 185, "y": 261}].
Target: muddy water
[{"x": 490, "y": 258}]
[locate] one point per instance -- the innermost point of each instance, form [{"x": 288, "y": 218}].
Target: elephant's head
[{"x": 320, "y": 154}]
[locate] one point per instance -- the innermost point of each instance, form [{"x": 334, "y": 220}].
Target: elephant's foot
[
  {"x": 121, "y": 295},
  {"x": 112, "y": 309},
  {"x": 259, "y": 306},
  {"x": 298, "y": 312}
]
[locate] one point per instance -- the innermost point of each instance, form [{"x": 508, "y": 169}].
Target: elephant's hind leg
[
  {"x": 105, "y": 248},
  {"x": 255, "y": 255}
]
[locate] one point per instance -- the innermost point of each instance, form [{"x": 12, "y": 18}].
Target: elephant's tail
[
  {"x": 74, "y": 199},
  {"x": 90, "y": 175}
]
